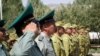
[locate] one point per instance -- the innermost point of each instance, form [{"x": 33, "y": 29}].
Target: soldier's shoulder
[
  {"x": 65, "y": 37},
  {"x": 55, "y": 38}
]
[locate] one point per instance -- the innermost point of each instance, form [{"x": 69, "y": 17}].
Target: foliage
[
  {"x": 81, "y": 12},
  {"x": 12, "y": 8}
]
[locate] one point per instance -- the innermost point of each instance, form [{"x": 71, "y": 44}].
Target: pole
[{"x": 1, "y": 9}]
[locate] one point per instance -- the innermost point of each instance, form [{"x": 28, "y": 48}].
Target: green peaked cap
[
  {"x": 47, "y": 17},
  {"x": 2, "y": 23},
  {"x": 21, "y": 18}
]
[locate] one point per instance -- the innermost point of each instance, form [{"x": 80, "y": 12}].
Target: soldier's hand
[{"x": 31, "y": 27}]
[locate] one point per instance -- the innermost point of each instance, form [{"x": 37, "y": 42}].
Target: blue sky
[{"x": 46, "y": 2}]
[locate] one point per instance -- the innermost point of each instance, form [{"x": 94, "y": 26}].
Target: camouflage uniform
[
  {"x": 66, "y": 43},
  {"x": 82, "y": 45},
  {"x": 75, "y": 45},
  {"x": 87, "y": 41},
  {"x": 58, "y": 46}
]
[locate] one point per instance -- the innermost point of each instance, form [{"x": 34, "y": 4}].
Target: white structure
[
  {"x": 1, "y": 17},
  {"x": 94, "y": 35}
]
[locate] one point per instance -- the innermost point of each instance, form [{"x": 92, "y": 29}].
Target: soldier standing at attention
[
  {"x": 87, "y": 40},
  {"x": 57, "y": 41},
  {"x": 82, "y": 41},
  {"x": 66, "y": 39},
  {"x": 75, "y": 40},
  {"x": 71, "y": 43}
]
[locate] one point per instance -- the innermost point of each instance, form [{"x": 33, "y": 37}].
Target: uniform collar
[{"x": 45, "y": 36}]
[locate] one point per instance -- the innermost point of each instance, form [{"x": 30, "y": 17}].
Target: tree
[
  {"x": 12, "y": 8},
  {"x": 81, "y": 12}
]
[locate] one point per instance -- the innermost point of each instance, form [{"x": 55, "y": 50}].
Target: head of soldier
[
  {"x": 74, "y": 30},
  {"x": 2, "y": 34},
  {"x": 60, "y": 30},
  {"x": 81, "y": 30},
  {"x": 30, "y": 24},
  {"x": 67, "y": 28},
  {"x": 47, "y": 23},
  {"x": 48, "y": 27},
  {"x": 25, "y": 22}
]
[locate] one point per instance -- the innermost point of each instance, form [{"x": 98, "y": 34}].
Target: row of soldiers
[
  {"x": 43, "y": 38},
  {"x": 71, "y": 40}
]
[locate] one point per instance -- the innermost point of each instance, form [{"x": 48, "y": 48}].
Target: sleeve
[
  {"x": 57, "y": 48},
  {"x": 25, "y": 42}
]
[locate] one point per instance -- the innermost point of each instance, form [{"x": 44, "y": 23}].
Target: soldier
[
  {"x": 3, "y": 50},
  {"x": 57, "y": 41},
  {"x": 47, "y": 25},
  {"x": 71, "y": 39},
  {"x": 74, "y": 30},
  {"x": 87, "y": 40},
  {"x": 26, "y": 27},
  {"x": 66, "y": 39},
  {"x": 82, "y": 41},
  {"x": 75, "y": 41}
]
